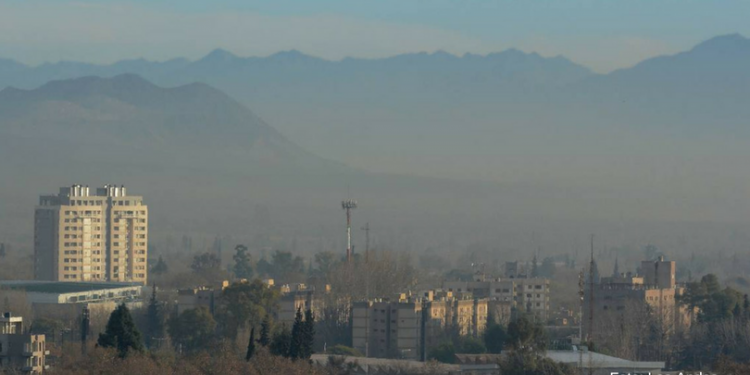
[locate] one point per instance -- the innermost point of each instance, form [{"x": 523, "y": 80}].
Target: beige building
[
  {"x": 295, "y": 297},
  {"x": 525, "y": 294},
  {"x": 20, "y": 351},
  {"x": 628, "y": 296},
  {"x": 81, "y": 235},
  {"x": 406, "y": 328}
]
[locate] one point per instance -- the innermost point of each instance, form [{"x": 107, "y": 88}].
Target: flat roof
[{"x": 61, "y": 287}]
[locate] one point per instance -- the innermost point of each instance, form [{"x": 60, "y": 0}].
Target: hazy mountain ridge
[{"x": 128, "y": 112}]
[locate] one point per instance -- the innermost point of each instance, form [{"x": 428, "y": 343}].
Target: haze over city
[{"x": 479, "y": 145}]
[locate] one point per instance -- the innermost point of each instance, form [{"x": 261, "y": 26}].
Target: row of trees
[{"x": 196, "y": 330}]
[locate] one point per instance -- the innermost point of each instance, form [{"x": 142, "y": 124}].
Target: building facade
[
  {"x": 21, "y": 351},
  {"x": 407, "y": 327},
  {"x": 654, "y": 293},
  {"x": 81, "y": 235},
  {"x": 530, "y": 295}
]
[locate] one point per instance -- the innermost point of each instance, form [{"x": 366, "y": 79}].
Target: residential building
[
  {"x": 81, "y": 235},
  {"x": 293, "y": 298},
  {"x": 20, "y": 351},
  {"x": 403, "y": 328},
  {"x": 525, "y": 294},
  {"x": 629, "y": 296},
  {"x": 204, "y": 296}
]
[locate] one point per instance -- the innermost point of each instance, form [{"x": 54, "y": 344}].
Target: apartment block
[
  {"x": 403, "y": 328},
  {"x": 20, "y": 351},
  {"x": 80, "y": 235},
  {"x": 530, "y": 295},
  {"x": 628, "y": 296}
]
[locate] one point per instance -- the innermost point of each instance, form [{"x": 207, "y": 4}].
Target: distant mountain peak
[
  {"x": 724, "y": 43},
  {"x": 219, "y": 55}
]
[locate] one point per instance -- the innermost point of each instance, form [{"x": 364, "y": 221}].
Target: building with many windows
[
  {"x": 85, "y": 236},
  {"x": 20, "y": 351}
]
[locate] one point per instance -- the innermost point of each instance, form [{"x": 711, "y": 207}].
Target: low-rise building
[{"x": 21, "y": 351}]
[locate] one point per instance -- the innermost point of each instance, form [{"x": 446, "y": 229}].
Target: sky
[{"x": 602, "y": 34}]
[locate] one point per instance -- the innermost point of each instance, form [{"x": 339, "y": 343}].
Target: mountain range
[{"x": 501, "y": 135}]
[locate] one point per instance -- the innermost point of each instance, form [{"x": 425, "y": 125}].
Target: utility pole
[{"x": 581, "y": 293}]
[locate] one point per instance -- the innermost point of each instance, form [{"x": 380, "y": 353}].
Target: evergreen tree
[
  {"x": 242, "y": 264},
  {"x": 250, "y": 345},
  {"x": 154, "y": 320},
  {"x": 121, "y": 333},
  {"x": 296, "y": 344},
  {"x": 280, "y": 345},
  {"x": 616, "y": 271},
  {"x": 160, "y": 267},
  {"x": 265, "y": 331},
  {"x": 494, "y": 335},
  {"x": 308, "y": 335}
]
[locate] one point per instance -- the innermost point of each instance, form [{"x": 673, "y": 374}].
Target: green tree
[
  {"x": 205, "y": 262},
  {"x": 445, "y": 352},
  {"x": 298, "y": 337},
  {"x": 526, "y": 335},
  {"x": 280, "y": 344},
  {"x": 494, "y": 336},
  {"x": 308, "y": 335},
  {"x": 265, "y": 331},
  {"x": 193, "y": 330},
  {"x": 160, "y": 267},
  {"x": 245, "y": 303},
  {"x": 121, "y": 333},
  {"x": 345, "y": 351},
  {"x": 250, "y": 346},
  {"x": 155, "y": 320},
  {"x": 242, "y": 263}
]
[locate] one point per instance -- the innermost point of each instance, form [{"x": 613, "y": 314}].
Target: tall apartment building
[
  {"x": 20, "y": 351},
  {"x": 80, "y": 236}
]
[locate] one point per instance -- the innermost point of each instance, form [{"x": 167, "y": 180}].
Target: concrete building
[
  {"x": 21, "y": 351},
  {"x": 627, "y": 295},
  {"x": 403, "y": 328},
  {"x": 525, "y": 294},
  {"x": 85, "y": 236},
  {"x": 51, "y": 299},
  {"x": 293, "y": 298}
]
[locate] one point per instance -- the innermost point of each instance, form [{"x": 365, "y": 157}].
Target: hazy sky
[{"x": 602, "y": 34}]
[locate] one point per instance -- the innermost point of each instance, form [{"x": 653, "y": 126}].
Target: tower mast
[{"x": 348, "y": 205}]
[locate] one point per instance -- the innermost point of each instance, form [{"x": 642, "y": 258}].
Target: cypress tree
[
  {"x": 296, "y": 345},
  {"x": 121, "y": 333},
  {"x": 250, "y": 345},
  {"x": 265, "y": 331},
  {"x": 155, "y": 323},
  {"x": 308, "y": 335},
  {"x": 280, "y": 343}
]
